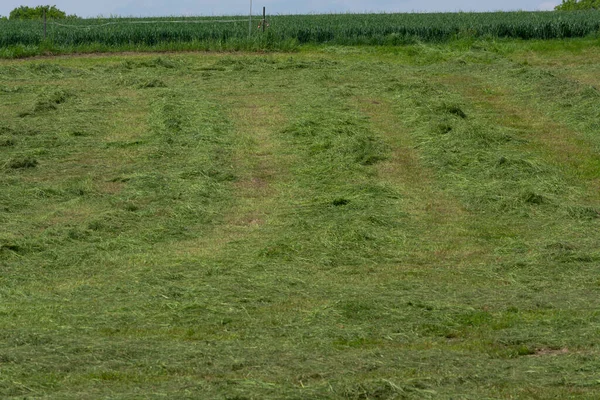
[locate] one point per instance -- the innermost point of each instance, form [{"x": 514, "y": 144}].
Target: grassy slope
[{"x": 415, "y": 222}]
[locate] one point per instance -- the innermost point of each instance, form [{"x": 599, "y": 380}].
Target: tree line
[
  {"x": 572, "y": 5},
  {"x": 29, "y": 13}
]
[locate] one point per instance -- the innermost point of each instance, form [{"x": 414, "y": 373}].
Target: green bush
[
  {"x": 25, "y": 13},
  {"x": 571, "y": 5}
]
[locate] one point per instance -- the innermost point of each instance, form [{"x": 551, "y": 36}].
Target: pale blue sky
[{"x": 88, "y": 8}]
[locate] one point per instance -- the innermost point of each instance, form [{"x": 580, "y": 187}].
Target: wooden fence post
[{"x": 45, "y": 27}]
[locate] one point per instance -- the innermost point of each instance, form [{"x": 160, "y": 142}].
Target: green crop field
[
  {"x": 19, "y": 38},
  {"x": 402, "y": 222}
]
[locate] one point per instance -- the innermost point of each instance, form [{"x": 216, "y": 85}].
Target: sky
[{"x": 138, "y": 8}]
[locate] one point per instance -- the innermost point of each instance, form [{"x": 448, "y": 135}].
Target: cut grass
[{"x": 339, "y": 223}]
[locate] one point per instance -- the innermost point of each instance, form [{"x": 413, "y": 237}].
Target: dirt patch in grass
[
  {"x": 545, "y": 352},
  {"x": 111, "y": 187},
  {"x": 254, "y": 183}
]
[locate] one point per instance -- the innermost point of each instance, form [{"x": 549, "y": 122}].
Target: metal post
[
  {"x": 264, "y": 23},
  {"x": 250, "y": 21},
  {"x": 45, "y": 28}
]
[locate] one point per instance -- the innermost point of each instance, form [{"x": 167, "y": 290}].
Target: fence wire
[{"x": 90, "y": 27}]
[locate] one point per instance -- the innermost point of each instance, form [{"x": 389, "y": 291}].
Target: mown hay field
[{"x": 337, "y": 223}]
